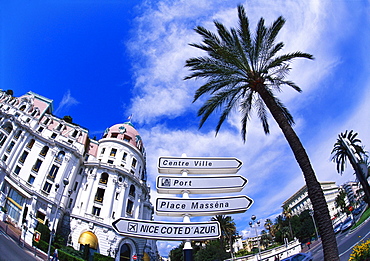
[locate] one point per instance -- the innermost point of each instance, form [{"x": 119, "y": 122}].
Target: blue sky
[{"x": 101, "y": 61}]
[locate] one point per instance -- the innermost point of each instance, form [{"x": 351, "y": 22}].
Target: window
[
  {"x": 60, "y": 156},
  {"x": 2, "y": 139},
  {"x": 59, "y": 127},
  {"x": 96, "y": 211},
  {"x": 10, "y": 147},
  {"x": 99, "y": 196},
  {"x": 53, "y": 172},
  {"x": 114, "y": 135},
  {"x": 102, "y": 151},
  {"x": 53, "y": 136},
  {"x": 30, "y": 143},
  {"x": 7, "y": 127},
  {"x": 23, "y": 157},
  {"x": 22, "y": 108},
  {"x": 132, "y": 191},
  {"x": 70, "y": 203},
  {"x": 17, "y": 169},
  {"x": 44, "y": 150},
  {"x": 126, "y": 138},
  {"x": 40, "y": 129},
  {"x": 47, "y": 187},
  {"x": 46, "y": 121},
  {"x": 104, "y": 178},
  {"x": 31, "y": 179},
  {"x": 16, "y": 136},
  {"x": 74, "y": 134},
  {"x": 129, "y": 207},
  {"x": 75, "y": 186},
  {"x": 4, "y": 158},
  {"x": 124, "y": 157},
  {"x": 113, "y": 152},
  {"x": 110, "y": 161},
  {"x": 134, "y": 161},
  {"x": 37, "y": 165}
]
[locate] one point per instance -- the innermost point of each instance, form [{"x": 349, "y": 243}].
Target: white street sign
[
  {"x": 200, "y": 184},
  {"x": 202, "y": 206},
  {"x": 173, "y": 165},
  {"x": 167, "y": 230}
]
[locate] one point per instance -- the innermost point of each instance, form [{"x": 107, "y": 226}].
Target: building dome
[{"x": 126, "y": 132}]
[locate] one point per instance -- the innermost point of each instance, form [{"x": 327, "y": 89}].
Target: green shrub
[
  {"x": 64, "y": 256},
  {"x": 100, "y": 257}
]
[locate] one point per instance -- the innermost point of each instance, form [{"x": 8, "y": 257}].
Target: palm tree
[
  {"x": 244, "y": 72},
  {"x": 270, "y": 227},
  {"x": 228, "y": 230},
  {"x": 340, "y": 201},
  {"x": 348, "y": 147},
  {"x": 287, "y": 213}
]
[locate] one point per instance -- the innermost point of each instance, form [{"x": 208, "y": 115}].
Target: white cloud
[{"x": 66, "y": 102}]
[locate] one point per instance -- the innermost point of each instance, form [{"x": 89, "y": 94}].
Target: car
[
  {"x": 347, "y": 223},
  {"x": 299, "y": 257},
  {"x": 338, "y": 227}
]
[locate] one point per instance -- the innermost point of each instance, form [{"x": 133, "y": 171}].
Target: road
[
  {"x": 345, "y": 241},
  {"x": 11, "y": 251}
]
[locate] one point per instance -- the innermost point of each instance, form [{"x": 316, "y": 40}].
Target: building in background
[
  {"x": 52, "y": 172},
  {"x": 300, "y": 201}
]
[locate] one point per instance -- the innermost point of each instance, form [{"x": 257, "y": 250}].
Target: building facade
[
  {"x": 52, "y": 172},
  {"x": 300, "y": 201}
]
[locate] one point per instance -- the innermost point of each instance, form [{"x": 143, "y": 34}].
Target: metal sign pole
[{"x": 188, "y": 249}]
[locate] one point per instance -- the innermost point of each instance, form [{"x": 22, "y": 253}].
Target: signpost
[
  {"x": 173, "y": 165},
  {"x": 202, "y": 206},
  {"x": 200, "y": 184},
  {"x": 167, "y": 230}
]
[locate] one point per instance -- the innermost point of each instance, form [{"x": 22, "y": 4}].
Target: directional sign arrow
[
  {"x": 202, "y": 206},
  {"x": 167, "y": 230},
  {"x": 200, "y": 184},
  {"x": 173, "y": 165}
]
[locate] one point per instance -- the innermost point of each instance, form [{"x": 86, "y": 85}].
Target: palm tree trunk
[
  {"x": 314, "y": 189},
  {"x": 360, "y": 177}
]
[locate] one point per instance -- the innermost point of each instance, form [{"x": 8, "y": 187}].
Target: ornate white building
[
  {"x": 300, "y": 201},
  {"x": 51, "y": 171}
]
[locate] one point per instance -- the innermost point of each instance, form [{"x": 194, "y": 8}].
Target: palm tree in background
[
  {"x": 228, "y": 230},
  {"x": 270, "y": 227},
  {"x": 287, "y": 213},
  {"x": 348, "y": 148},
  {"x": 243, "y": 71}
]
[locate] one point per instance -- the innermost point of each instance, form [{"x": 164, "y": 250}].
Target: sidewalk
[
  {"x": 15, "y": 234},
  {"x": 313, "y": 245}
]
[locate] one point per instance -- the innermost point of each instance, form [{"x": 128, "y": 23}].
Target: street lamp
[
  {"x": 255, "y": 224},
  {"x": 52, "y": 232},
  {"x": 314, "y": 223}
]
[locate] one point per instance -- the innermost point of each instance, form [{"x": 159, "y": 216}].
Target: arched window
[
  {"x": 44, "y": 150},
  {"x": 35, "y": 112},
  {"x": 104, "y": 178},
  {"x": 30, "y": 143},
  {"x": 60, "y": 156},
  {"x": 125, "y": 252},
  {"x": 132, "y": 191},
  {"x": 7, "y": 127},
  {"x": 18, "y": 134},
  {"x": 22, "y": 108}
]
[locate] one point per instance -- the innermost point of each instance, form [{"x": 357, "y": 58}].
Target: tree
[
  {"x": 348, "y": 148},
  {"x": 228, "y": 230},
  {"x": 244, "y": 71},
  {"x": 340, "y": 202},
  {"x": 68, "y": 119},
  {"x": 287, "y": 213},
  {"x": 270, "y": 227}
]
